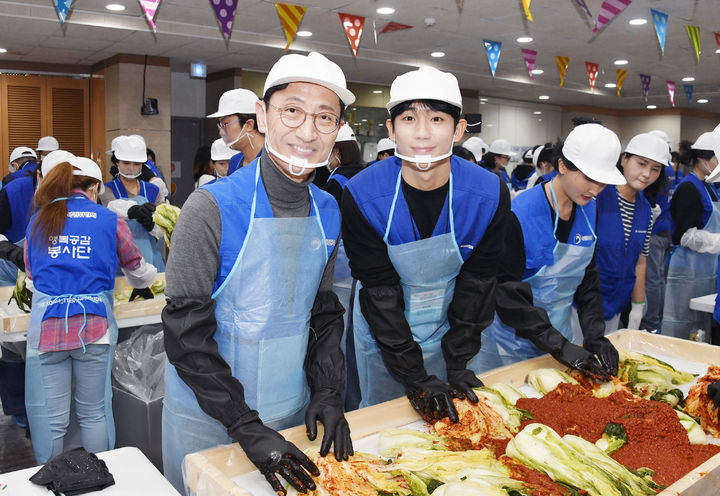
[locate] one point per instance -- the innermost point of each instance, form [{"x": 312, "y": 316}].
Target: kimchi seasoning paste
[{"x": 656, "y": 439}]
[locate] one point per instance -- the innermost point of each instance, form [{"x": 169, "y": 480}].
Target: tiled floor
[{"x": 15, "y": 447}]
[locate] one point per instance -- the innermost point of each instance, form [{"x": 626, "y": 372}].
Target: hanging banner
[
  {"x": 290, "y": 17},
  {"x": 62, "y": 7},
  {"x": 492, "y": 48},
  {"x": 688, "y": 92},
  {"x": 394, "y": 26},
  {"x": 353, "y": 26},
  {"x": 529, "y": 56},
  {"x": 620, "y": 79},
  {"x": 149, "y": 7},
  {"x": 608, "y": 10},
  {"x": 592, "y": 72},
  {"x": 694, "y": 35},
  {"x": 583, "y": 5},
  {"x": 562, "y": 65},
  {"x": 526, "y": 7},
  {"x": 661, "y": 23},
  {"x": 225, "y": 13},
  {"x": 645, "y": 80},
  {"x": 671, "y": 91}
]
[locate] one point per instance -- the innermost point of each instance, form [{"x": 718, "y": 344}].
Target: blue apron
[
  {"x": 61, "y": 267},
  {"x": 553, "y": 286},
  {"x": 690, "y": 274},
  {"x": 20, "y": 194},
  {"x": 263, "y": 310},
  {"x": 152, "y": 249}
]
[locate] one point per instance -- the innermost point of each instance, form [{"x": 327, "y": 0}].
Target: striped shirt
[{"x": 627, "y": 212}]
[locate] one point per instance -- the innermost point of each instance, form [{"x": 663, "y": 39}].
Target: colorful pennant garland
[
  {"x": 391, "y": 27},
  {"x": 149, "y": 7},
  {"x": 688, "y": 92},
  {"x": 353, "y": 26},
  {"x": 645, "y": 80},
  {"x": 608, "y": 10},
  {"x": 661, "y": 24},
  {"x": 694, "y": 35},
  {"x": 562, "y": 65},
  {"x": 62, "y": 7},
  {"x": 620, "y": 79},
  {"x": 290, "y": 17},
  {"x": 459, "y": 4},
  {"x": 225, "y": 13},
  {"x": 592, "y": 72},
  {"x": 583, "y": 5},
  {"x": 717, "y": 39},
  {"x": 671, "y": 91},
  {"x": 526, "y": 8},
  {"x": 492, "y": 48},
  {"x": 529, "y": 56}
]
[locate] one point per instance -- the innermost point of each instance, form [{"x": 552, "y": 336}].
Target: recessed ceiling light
[
  {"x": 620, "y": 62},
  {"x": 385, "y": 10},
  {"x": 115, "y": 7},
  {"x": 304, "y": 34},
  {"x": 610, "y": 85},
  {"x": 537, "y": 112},
  {"x": 489, "y": 125},
  {"x": 688, "y": 79},
  {"x": 377, "y": 92},
  {"x": 703, "y": 100},
  {"x": 437, "y": 55},
  {"x": 543, "y": 97},
  {"x": 364, "y": 120},
  {"x": 638, "y": 22},
  {"x": 717, "y": 51},
  {"x": 524, "y": 39},
  {"x": 651, "y": 107},
  {"x": 537, "y": 71},
  {"x": 3, "y": 50},
  {"x": 483, "y": 99},
  {"x": 483, "y": 103},
  {"x": 380, "y": 124}
]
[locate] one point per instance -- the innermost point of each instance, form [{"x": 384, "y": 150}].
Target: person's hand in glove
[
  {"x": 143, "y": 214},
  {"x": 274, "y": 456},
  {"x": 327, "y": 407},
  {"x": 144, "y": 293},
  {"x": 464, "y": 380},
  {"x": 581, "y": 359},
  {"x": 605, "y": 351},
  {"x": 714, "y": 393},
  {"x": 13, "y": 253},
  {"x": 432, "y": 398},
  {"x": 636, "y": 315}
]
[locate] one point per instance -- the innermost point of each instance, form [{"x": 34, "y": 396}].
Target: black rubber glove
[
  {"x": 141, "y": 293},
  {"x": 605, "y": 351},
  {"x": 274, "y": 456},
  {"x": 13, "y": 253},
  {"x": 143, "y": 214},
  {"x": 464, "y": 380},
  {"x": 432, "y": 398},
  {"x": 579, "y": 358},
  {"x": 327, "y": 407},
  {"x": 714, "y": 393}
]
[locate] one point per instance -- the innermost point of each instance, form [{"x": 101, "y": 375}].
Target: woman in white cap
[
  {"x": 549, "y": 263},
  {"x": 72, "y": 251},
  {"x": 220, "y": 155},
  {"x": 476, "y": 146},
  {"x": 423, "y": 231},
  {"x": 385, "y": 148},
  {"x": 497, "y": 158},
  {"x": 522, "y": 172},
  {"x": 695, "y": 210},
  {"x": 624, "y": 228},
  {"x": 252, "y": 326},
  {"x": 345, "y": 162}
]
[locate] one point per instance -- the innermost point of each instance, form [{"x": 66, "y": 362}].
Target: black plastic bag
[{"x": 74, "y": 472}]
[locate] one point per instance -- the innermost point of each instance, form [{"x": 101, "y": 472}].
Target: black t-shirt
[{"x": 686, "y": 209}]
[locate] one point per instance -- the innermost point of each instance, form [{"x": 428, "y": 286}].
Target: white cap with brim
[
  {"x": 311, "y": 68},
  {"x": 705, "y": 142},
  {"x": 131, "y": 149},
  {"x": 663, "y": 136},
  {"x": 501, "y": 147},
  {"x": 220, "y": 151},
  {"x": 594, "y": 150},
  {"x": 345, "y": 134},
  {"x": 47, "y": 144},
  {"x": 54, "y": 158},
  {"x": 649, "y": 146},
  {"x": 385, "y": 144},
  {"x": 536, "y": 155},
  {"x": 528, "y": 155},
  {"x": 425, "y": 83},
  {"x": 715, "y": 137},
  {"x": 89, "y": 168},
  {"x": 476, "y": 146},
  {"x": 237, "y": 101},
  {"x": 22, "y": 152}
]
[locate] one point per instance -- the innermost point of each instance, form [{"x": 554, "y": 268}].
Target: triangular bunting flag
[
  {"x": 688, "y": 92},
  {"x": 671, "y": 92},
  {"x": 694, "y": 35},
  {"x": 62, "y": 7},
  {"x": 621, "y": 75},
  {"x": 150, "y": 7},
  {"x": 608, "y": 10},
  {"x": 562, "y": 65},
  {"x": 492, "y": 48},
  {"x": 353, "y": 26},
  {"x": 374, "y": 32},
  {"x": 592, "y": 72},
  {"x": 717, "y": 39},
  {"x": 290, "y": 17},
  {"x": 529, "y": 56},
  {"x": 459, "y": 4},
  {"x": 645, "y": 80},
  {"x": 394, "y": 26},
  {"x": 526, "y": 7},
  {"x": 661, "y": 23},
  {"x": 583, "y": 5},
  {"x": 225, "y": 13}
]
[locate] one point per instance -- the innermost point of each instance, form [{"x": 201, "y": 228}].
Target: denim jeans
[
  {"x": 655, "y": 276},
  {"x": 89, "y": 370}
]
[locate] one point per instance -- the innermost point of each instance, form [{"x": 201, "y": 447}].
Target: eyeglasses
[
  {"x": 293, "y": 117},
  {"x": 223, "y": 125}
]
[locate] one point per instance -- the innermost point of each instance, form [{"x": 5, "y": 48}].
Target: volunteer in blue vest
[
  {"x": 252, "y": 326},
  {"x": 385, "y": 148},
  {"x": 220, "y": 155},
  {"x": 692, "y": 269},
  {"x": 134, "y": 199},
  {"x": 542, "y": 161},
  {"x": 423, "y": 231},
  {"x": 72, "y": 249},
  {"x": 522, "y": 172},
  {"x": 497, "y": 158},
  {"x": 624, "y": 228},
  {"x": 476, "y": 146},
  {"x": 45, "y": 145},
  {"x": 150, "y": 172},
  {"x": 238, "y": 126},
  {"x": 23, "y": 162},
  {"x": 548, "y": 263}
]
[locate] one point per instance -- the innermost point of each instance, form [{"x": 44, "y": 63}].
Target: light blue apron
[
  {"x": 427, "y": 270},
  {"x": 263, "y": 313}
]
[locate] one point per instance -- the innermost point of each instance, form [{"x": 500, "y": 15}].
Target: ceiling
[{"x": 188, "y": 32}]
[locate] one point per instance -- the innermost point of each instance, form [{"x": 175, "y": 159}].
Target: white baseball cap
[
  {"x": 476, "y": 146},
  {"x": 594, "y": 150},
  {"x": 425, "y": 83},
  {"x": 47, "y": 144},
  {"x": 705, "y": 142},
  {"x": 345, "y": 134},
  {"x": 130, "y": 149},
  {"x": 715, "y": 135},
  {"x": 21, "y": 152},
  {"x": 528, "y": 154},
  {"x": 385, "y": 144},
  {"x": 501, "y": 147},
  {"x": 220, "y": 151},
  {"x": 237, "y": 101},
  {"x": 649, "y": 146},
  {"x": 85, "y": 167},
  {"x": 663, "y": 136},
  {"x": 536, "y": 154},
  {"x": 311, "y": 68},
  {"x": 54, "y": 158}
]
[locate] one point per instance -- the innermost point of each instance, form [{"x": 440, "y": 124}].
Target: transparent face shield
[
  {"x": 422, "y": 162},
  {"x": 296, "y": 164}
]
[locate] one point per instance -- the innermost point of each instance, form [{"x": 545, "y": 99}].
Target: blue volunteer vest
[
  {"x": 20, "y": 194},
  {"x": 518, "y": 184},
  {"x": 151, "y": 165},
  {"x": 28, "y": 169},
  {"x": 338, "y": 178},
  {"x": 237, "y": 160},
  {"x": 147, "y": 190},
  {"x": 664, "y": 221},
  {"x": 704, "y": 195}
]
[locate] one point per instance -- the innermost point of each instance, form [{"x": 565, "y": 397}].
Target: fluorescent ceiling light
[
  {"x": 437, "y": 55},
  {"x": 703, "y": 100},
  {"x": 3, "y": 50},
  {"x": 537, "y": 112},
  {"x": 115, "y": 7},
  {"x": 385, "y": 10},
  {"x": 638, "y": 22},
  {"x": 620, "y": 62},
  {"x": 483, "y": 99},
  {"x": 304, "y": 34},
  {"x": 544, "y": 97},
  {"x": 688, "y": 79},
  {"x": 537, "y": 71},
  {"x": 377, "y": 91},
  {"x": 524, "y": 39},
  {"x": 610, "y": 85},
  {"x": 651, "y": 107}
]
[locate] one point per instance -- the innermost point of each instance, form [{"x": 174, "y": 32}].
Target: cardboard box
[{"x": 138, "y": 424}]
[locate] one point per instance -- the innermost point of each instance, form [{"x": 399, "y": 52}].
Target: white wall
[{"x": 188, "y": 95}]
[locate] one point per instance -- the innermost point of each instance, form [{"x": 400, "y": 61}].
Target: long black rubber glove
[
  {"x": 714, "y": 393},
  {"x": 13, "y": 253},
  {"x": 327, "y": 407},
  {"x": 143, "y": 214},
  {"x": 143, "y": 293}
]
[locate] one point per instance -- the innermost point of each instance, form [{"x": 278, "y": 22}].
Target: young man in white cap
[
  {"x": 249, "y": 275},
  {"x": 423, "y": 231},
  {"x": 47, "y": 144},
  {"x": 23, "y": 162},
  {"x": 220, "y": 155},
  {"x": 548, "y": 263},
  {"x": 238, "y": 126}
]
